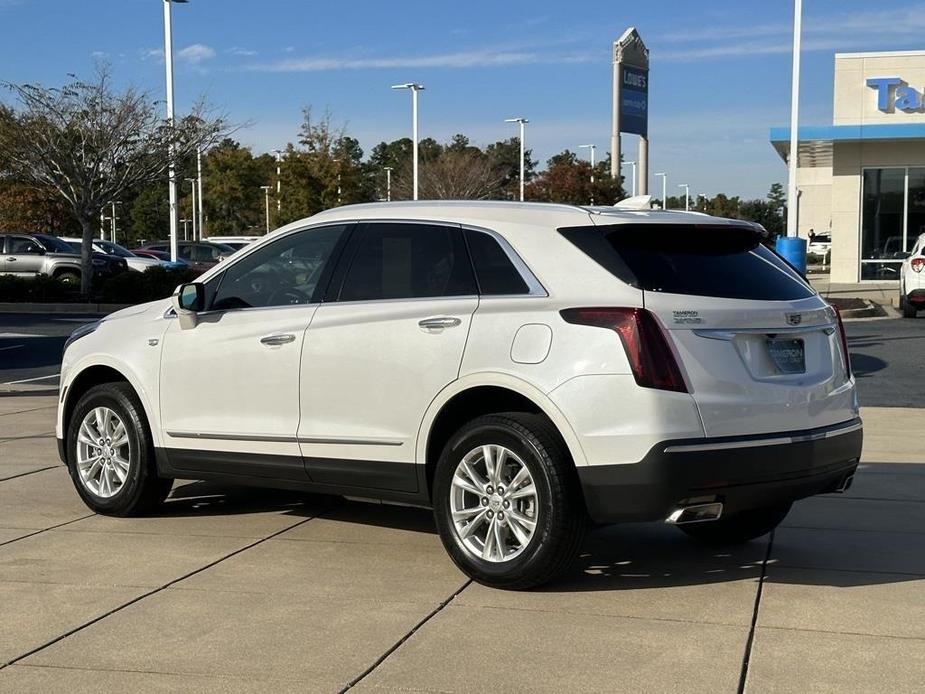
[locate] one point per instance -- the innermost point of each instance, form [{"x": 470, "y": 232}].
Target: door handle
[
  {"x": 439, "y": 323},
  {"x": 276, "y": 340},
  {"x": 11, "y": 260}
]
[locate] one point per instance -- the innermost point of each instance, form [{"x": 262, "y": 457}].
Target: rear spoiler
[{"x": 637, "y": 202}]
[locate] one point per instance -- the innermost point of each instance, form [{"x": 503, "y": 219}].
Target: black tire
[
  {"x": 738, "y": 528},
  {"x": 70, "y": 278},
  {"x": 142, "y": 490},
  {"x": 909, "y": 311},
  {"x": 562, "y": 519}
]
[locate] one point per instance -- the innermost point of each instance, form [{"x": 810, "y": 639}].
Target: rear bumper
[
  {"x": 741, "y": 472},
  {"x": 916, "y": 296}
]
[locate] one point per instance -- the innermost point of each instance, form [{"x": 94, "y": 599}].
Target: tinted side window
[
  {"x": 724, "y": 261},
  {"x": 285, "y": 272},
  {"x": 19, "y": 245},
  {"x": 494, "y": 270},
  {"x": 405, "y": 261}
]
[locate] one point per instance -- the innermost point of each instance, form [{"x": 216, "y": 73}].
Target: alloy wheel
[
  {"x": 494, "y": 503},
  {"x": 103, "y": 452}
]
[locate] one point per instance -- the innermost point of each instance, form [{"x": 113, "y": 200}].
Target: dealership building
[{"x": 862, "y": 179}]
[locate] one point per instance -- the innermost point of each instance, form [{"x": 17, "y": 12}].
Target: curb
[
  {"x": 871, "y": 310},
  {"x": 94, "y": 309}
]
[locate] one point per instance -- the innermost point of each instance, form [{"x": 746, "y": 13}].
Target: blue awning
[{"x": 816, "y": 141}]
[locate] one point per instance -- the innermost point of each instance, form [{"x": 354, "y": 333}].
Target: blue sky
[{"x": 720, "y": 74}]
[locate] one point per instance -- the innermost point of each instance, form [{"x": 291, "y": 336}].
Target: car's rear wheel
[
  {"x": 739, "y": 527},
  {"x": 907, "y": 307},
  {"x": 110, "y": 453},
  {"x": 71, "y": 278},
  {"x": 507, "y": 503}
]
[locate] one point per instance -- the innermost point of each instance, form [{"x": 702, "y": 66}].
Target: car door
[
  {"x": 24, "y": 256},
  {"x": 229, "y": 387},
  {"x": 388, "y": 338}
]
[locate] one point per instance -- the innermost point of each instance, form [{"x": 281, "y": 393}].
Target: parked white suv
[
  {"x": 521, "y": 368},
  {"x": 912, "y": 281}
]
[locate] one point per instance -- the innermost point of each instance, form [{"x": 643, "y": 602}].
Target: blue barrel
[{"x": 793, "y": 250}]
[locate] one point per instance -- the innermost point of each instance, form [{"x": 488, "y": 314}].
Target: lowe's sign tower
[{"x": 631, "y": 101}]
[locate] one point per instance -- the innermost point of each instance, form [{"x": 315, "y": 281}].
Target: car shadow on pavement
[
  {"x": 865, "y": 365},
  {"x": 817, "y": 547}
]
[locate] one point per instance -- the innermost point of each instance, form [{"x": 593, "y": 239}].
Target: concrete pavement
[{"x": 240, "y": 590}]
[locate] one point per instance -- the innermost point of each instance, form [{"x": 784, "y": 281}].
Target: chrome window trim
[{"x": 534, "y": 286}]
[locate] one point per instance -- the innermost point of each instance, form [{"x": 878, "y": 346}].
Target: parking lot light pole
[
  {"x": 202, "y": 223},
  {"x": 266, "y": 192},
  {"x": 192, "y": 182},
  {"x": 522, "y": 122},
  {"x": 792, "y": 195},
  {"x": 112, "y": 234},
  {"x": 415, "y": 88},
  {"x": 687, "y": 196},
  {"x": 388, "y": 183},
  {"x": 183, "y": 222},
  {"x": 633, "y": 164},
  {"x": 279, "y": 182},
  {"x": 591, "y": 148},
  {"x": 171, "y": 169},
  {"x": 664, "y": 176}
]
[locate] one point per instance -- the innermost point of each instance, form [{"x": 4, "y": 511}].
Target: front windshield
[
  {"x": 54, "y": 244},
  {"x": 115, "y": 249}
]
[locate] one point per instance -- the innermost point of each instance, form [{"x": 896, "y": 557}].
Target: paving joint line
[
  {"x": 154, "y": 591},
  {"x": 847, "y": 633},
  {"x": 750, "y": 642},
  {"x": 31, "y": 472},
  {"x": 398, "y": 644},
  {"x": 34, "y": 409},
  {"x": 44, "y": 530}
]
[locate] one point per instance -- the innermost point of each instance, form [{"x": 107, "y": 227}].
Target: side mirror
[
  {"x": 187, "y": 301},
  {"x": 903, "y": 254}
]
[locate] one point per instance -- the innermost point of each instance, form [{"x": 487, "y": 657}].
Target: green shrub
[
  {"x": 140, "y": 287},
  {"x": 34, "y": 289}
]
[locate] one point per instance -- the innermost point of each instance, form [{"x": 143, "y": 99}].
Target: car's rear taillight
[
  {"x": 650, "y": 357},
  {"x": 918, "y": 264},
  {"x": 843, "y": 337}
]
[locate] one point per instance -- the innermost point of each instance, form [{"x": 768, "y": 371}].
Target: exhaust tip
[
  {"x": 698, "y": 513},
  {"x": 845, "y": 485}
]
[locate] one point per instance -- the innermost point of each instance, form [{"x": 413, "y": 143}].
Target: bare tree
[
  {"x": 90, "y": 144},
  {"x": 453, "y": 175}
]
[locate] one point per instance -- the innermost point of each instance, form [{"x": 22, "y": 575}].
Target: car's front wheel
[
  {"x": 110, "y": 454},
  {"x": 739, "y": 527},
  {"x": 507, "y": 502}
]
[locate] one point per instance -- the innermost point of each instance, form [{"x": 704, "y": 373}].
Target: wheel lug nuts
[
  {"x": 484, "y": 501},
  {"x": 491, "y": 515},
  {"x": 506, "y": 503},
  {"x": 489, "y": 489},
  {"x": 501, "y": 515},
  {"x": 501, "y": 490}
]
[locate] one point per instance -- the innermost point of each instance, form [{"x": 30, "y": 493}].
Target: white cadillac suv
[{"x": 522, "y": 368}]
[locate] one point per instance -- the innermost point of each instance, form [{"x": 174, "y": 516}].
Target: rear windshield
[{"x": 702, "y": 260}]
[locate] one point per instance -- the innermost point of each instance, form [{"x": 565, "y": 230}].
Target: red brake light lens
[
  {"x": 918, "y": 264},
  {"x": 650, "y": 357},
  {"x": 844, "y": 341}
]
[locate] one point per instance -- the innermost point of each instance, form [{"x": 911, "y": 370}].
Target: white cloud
[
  {"x": 833, "y": 32},
  {"x": 196, "y": 53},
  {"x": 237, "y": 50},
  {"x": 99, "y": 55},
  {"x": 153, "y": 54},
  {"x": 463, "y": 59}
]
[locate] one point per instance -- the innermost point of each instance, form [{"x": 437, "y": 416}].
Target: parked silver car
[{"x": 30, "y": 255}]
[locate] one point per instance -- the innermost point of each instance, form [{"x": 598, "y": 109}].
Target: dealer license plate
[{"x": 789, "y": 356}]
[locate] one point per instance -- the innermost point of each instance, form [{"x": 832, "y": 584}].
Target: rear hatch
[{"x": 760, "y": 351}]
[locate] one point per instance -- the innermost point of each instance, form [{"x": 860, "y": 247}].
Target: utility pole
[{"x": 388, "y": 184}]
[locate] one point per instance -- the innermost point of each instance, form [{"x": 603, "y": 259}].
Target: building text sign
[
  {"x": 634, "y": 100},
  {"x": 895, "y": 94}
]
